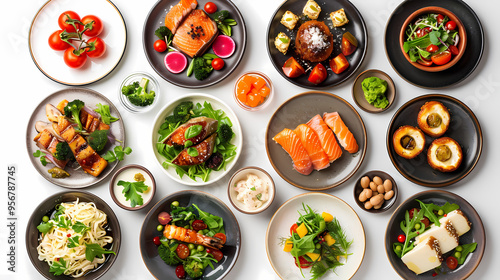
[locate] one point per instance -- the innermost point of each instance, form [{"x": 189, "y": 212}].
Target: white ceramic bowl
[
  {"x": 216, "y": 104},
  {"x": 242, "y": 175}
]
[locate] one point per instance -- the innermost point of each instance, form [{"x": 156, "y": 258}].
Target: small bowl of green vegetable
[
  {"x": 373, "y": 91},
  {"x": 139, "y": 92}
]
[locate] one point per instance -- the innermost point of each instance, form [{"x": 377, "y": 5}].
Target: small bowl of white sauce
[
  {"x": 251, "y": 190},
  {"x": 132, "y": 187}
]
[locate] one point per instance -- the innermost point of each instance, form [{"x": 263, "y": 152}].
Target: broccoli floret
[
  {"x": 63, "y": 151},
  {"x": 163, "y": 32},
  {"x": 167, "y": 255},
  {"x": 225, "y": 133},
  {"x": 72, "y": 110},
  {"x": 201, "y": 69},
  {"x": 130, "y": 89},
  {"x": 140, "y": 96},
  {"x": 98, "y": 139},
  {"x": 194, "y": 268}
]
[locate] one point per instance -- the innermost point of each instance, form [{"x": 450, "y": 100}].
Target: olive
[
  {"x": 45, "y": 219},
  {"x": 175, "y": 203},
  {"x": 408, "y": 142},
  {"x": 434, "y": 120},
  {"x": 159, "y": 228},
  {"x": 443, "y": 153},
  {"x": 200, "y": 248}
]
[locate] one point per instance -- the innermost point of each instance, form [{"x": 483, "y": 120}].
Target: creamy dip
[
  {"x": 252, "y": 192},
  {"x": 128, "y": 176}
]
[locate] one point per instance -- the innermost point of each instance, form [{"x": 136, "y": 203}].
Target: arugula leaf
[
  {"x": 467, "y": 249},
  {"x": 45, "y": 227},
  {"x": 58, "y": 267},
  {"x": 408, "y": 227},
  {"x": 422, "y": 42},
  {"x": 80, "y": 227},
  {"x": 118, "y": 154},
  {"x": 93, "y": 250},
  {"x": 41, "y": 155},
  {"x": 105, "y": 113},
  {"x": 73, "y": 241},
  {"x": 131, "y": 191},
  {"x": 431, "y": 207}
]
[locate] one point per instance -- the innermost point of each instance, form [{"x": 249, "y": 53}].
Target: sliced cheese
[
  {"x": 424, "y": 257},
  {"x": 445, "y": 234},
  {"x": 458, "y": 220}
]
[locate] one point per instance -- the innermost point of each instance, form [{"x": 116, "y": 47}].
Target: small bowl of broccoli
[{"x": 139, "y": 92}]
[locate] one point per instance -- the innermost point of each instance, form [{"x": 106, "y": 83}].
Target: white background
[{"x": 24, "y": 86}]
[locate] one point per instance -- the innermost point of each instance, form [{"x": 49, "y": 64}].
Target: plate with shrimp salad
[{"x": 190, "y": 234}]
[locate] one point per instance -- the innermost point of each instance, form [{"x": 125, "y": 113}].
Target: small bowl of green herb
[
  {"x": 139, "y": 92},
  {"x": 132, "y": 187},
  {"x": 373, "y": 91}
]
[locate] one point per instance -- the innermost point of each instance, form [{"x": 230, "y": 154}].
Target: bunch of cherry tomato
[{"x": 70, "y": 38}]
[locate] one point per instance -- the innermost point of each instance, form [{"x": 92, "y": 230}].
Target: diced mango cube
[
  {"x": 329, "y": 240},
  {"x": 314, "y": 256},
  {"x": 327, "y": 217},
  {"x": 302, "y": 230},
  {"x": 288, "y": 245}
]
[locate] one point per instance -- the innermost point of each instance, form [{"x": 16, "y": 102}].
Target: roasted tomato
[
  {"x": 292, "y": 68},
  {"x": 221, "y": 236},
  {"x": 218, "y": 255},
  {"x": 349, "y": 43},
  {"x": 182, "y": 251},
  {"x": 441, "y": 58},
  {"x": 339, "y": 64},
  {"x": 318, "y": 74}
]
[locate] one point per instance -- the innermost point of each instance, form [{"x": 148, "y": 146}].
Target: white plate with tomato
[{"x": 92, "y": 46}]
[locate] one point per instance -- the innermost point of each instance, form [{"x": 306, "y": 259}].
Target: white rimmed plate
[
  {"x": 279, "y": 227},
  {"x": 51, "y": 62},
  {"x": 237, "y": 140}
]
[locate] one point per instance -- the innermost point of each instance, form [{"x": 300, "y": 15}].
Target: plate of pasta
[{"x": 73, "y": 235}]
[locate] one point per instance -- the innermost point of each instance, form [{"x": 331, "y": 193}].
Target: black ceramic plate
[
  {"x": 78, "y": 178},
  {"x": 464, "y": 128},
  {"x": 207, "y": 203},
  {"x": 46, "y": 208},
  {"x": 356, "y": 26},
  {"x": 475, "y": 234},
  {"x": 457, "y": 73},
  {"x": 300, "y": 109},
  {"x": 156, "y": 18}
]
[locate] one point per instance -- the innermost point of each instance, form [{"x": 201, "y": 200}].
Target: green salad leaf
[
  {"x": 467, "y": 249},
  {"x": 73, "y": 241},
  {"x": 93, "y": 250},
  {"x": 45, "y": 227},
  {"x": 105, "y": 113},
  {"x": 80, "y": 227},
  {"x": 131, "y": 191},
  {"x": 215, "y": 223}
]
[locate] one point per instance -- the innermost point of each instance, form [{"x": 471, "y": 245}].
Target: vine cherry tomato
[
  {"x": 293, "y": 229},
  {"x": 94, "y": 25},
  {"x": 451, "y": 25},
  {"x": 160, "y": 46},
  {"x": 198, "y": 225},
  {"x": 97, "y": 47},
  {"x": 156, "y": 240},
  {"x": 318, "y": 74},
  {"x": 451, "y": 262},
  {"x": 180, "y": 272},
  {"x": 217, "y": 63},
  {"x": 56, "y": 43},
  {"x": 432, "y": 48},
  {"x": 439, "y": 18},
  {"x": 292, "y": 68},
  {"x": 210, "y": 7},
  {"x": 182, "y": 251},
  {"x": 453, "y": 49},
  {"x": 217, "y": 254},
  {"x": 441, "y": 58},
  {"x": 401, "y": 238},
  {"x": 65, "y": 20},
  {"x": 221, "y": 236},
  {"x": 303, "y": 262},
  {"x": 73, "y": 59}
]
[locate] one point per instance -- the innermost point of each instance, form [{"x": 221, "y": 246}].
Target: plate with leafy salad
[
  {"x": 315, "y": 236},
  {"x": 196, "y": 139},
  {"x": 207, "y": 248},
  {"x": 435, "y": 235},
  {"x": 75, "y": 138}
]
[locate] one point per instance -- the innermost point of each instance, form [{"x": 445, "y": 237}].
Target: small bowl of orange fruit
[{"x": 253, "y": 91}]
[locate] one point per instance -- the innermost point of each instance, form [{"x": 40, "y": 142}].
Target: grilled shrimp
[{"x": 191, "y": 236}]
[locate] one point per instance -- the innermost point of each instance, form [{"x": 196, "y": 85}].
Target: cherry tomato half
[
  {"x": 180, "y": 272},
  {"x": 318, "y": 74},
  {"x": 303, "y": 262},
  {"x": 426, "y": 222},
  {"x": 439, "y": 18},
  {"x": 423, "y": 32},
  {"x": 451, "y": 25},
  {"x": 221, "y": 236},
  {"x": 95, "y": 25},
  {"x": 441, "y": 58},
  {"x": 293, "y": 229},
  {"x": 97, "y": 47},
  {"x": 182, "y": 251},
  {"x": 156, "y": 240},
  {"x": 424, "y": 62},
  {"x": 210, "y": 7},
  {"x": 339, "y": 64},
  {"x": 292, "y": 68},
  {"x": 160, "y": 46},
  {"x": 74, "y": 60},
  {"x": 198, "y": 225},
  {"x": 217, "y": 254},
  {"x": 65, "y": 19},
  {"x": 217, "y": 63},
  {"x": 56, "y": 43},
  {"x": 451, "y": 262},
  {"x": 453, "y": 49},
  {"x": 401, "y": 238},
  {"x": 432, "y": 48}
]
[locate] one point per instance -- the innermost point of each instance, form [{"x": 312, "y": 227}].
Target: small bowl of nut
[{"x": 375, "y": 192}]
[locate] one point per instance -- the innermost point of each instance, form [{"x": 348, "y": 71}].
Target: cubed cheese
[
  {"x": 339, "y": 18},
  {"x": 445, "y": 234},
  {"x": 282, "y": 42},
  {"x": 289, "y": 20},
  {"x": 423, "y": 257},
  {"x": 458, "y": 220},
  {"x": 311, "y": 9}
]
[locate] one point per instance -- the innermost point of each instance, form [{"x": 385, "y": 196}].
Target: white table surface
[{"x": 25, "y": 86}]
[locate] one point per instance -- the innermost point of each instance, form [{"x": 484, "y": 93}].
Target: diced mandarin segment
[
  {"x": 253, "y": 100},
  {"x": 259, "y": 83},
  {"x": 242, "y": 98},
  {"x": 264, "y": 91},
  {"x": 248, "y": 79},
  {"x": 252, "y": 90},
  {"x": 243, "y": 87}
]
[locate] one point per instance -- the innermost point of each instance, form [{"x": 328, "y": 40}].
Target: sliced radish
[
  {"x": 175, "y": 62},
  {"x": 223, "y": 46}
]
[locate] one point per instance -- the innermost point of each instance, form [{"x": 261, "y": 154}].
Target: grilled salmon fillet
[
  {"x": 177, "y": 137},
  {"x": 195, "y": 34},
  {"x": 178, "y": 12},
  {"x": 204, "y": 149}
]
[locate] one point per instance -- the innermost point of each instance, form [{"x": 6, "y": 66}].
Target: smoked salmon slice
[
  {"x": 178, "y": 12},
  {"x": 326, "y": 137},
  {"x": 293, "y": 146},
  {"x": 195, "y": 34},
  {"x": 346, "y": 139},
  {"x": 312, "y": 144}
]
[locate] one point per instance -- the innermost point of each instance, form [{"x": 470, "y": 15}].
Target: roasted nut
[
  {"x": 378, "y": 206},
  {"x": 375, "y": 200},
  {"x": 368, "y": 193},
  {"x": 365, "y": 182},
  {"x": 373, "y": 186},
  {"x": 387, "y": 185},
  {"x": 368, "y": 205},
  {"x": 388, "y": 195},
  {"x": 362, "y": 196},
  {"x": 380, "y": 189},
  {"x": 377, "y": 180}
]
